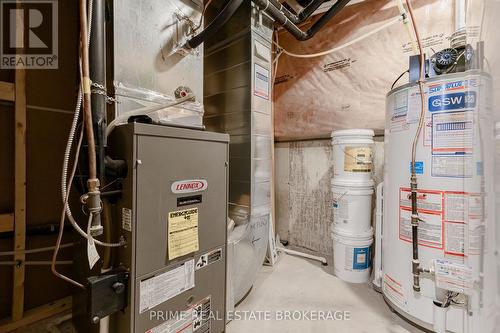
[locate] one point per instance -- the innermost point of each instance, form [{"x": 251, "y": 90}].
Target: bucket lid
[
  {"x": 358, "y": 184},
  {"x": 353, "y": 132},
  {"x": 344, "y": 233}
]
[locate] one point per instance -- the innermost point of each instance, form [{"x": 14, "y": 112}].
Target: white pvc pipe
[
  {"x": 104, "y": 325},
  {"x": 460, "y": 14},
  {"x": 301, "y": 254},
  {"x": 439, "y": 319},
  {"x": 377, "y": 265}
]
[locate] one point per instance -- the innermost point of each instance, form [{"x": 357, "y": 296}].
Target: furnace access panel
[{"x": 173, "y": 213}]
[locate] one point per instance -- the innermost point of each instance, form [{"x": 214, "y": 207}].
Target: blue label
[
  {"x": 453, "y": 101},
  {"x": 361, "y": 258},
  {"x": 479, "y": 168},
  {"x": 419, "y": 167}
]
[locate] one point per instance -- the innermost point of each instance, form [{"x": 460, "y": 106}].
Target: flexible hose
[
  {"x": 145, "y": 111},
  {"x": 67, "y": 153},
  {"x": 413, "y": 178},
  {"x": 355, "y": 40}
]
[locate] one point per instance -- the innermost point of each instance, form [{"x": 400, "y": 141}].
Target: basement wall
[{"x": 304, "y": 212}]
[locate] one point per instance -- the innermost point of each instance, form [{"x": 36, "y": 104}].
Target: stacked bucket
[{"x": 352, "y": 191}]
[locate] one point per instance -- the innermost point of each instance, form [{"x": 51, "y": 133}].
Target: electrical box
[{"x": 173, "y": 215}]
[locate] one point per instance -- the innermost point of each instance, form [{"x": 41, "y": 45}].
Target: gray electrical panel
[{"x": 173, "y": 214}]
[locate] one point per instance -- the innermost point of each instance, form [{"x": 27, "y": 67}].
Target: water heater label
[
  {"x": 182, "y": 232},
  {"x": 454, "y": 101},
  {"x": 419, "y": 167},
  {"x": 453, "y": 276},
  {"x": 189, "y": 186},
  {"x": 394, "y": 290}
]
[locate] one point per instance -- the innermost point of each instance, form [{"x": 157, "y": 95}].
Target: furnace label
[
  {"x": 261, "y": 82},
  {"x": 182, "y": 232},
  {"x": 194, "y": 319},
  {"x": 158, "y": 289},
  {"x": 127, "y": 219},
  {"x": 209, "y": 258}
]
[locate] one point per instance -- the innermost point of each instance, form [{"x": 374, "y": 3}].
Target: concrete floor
[
  {"x": 295, "y": 284},
  {"x": 303, "y": 285}
]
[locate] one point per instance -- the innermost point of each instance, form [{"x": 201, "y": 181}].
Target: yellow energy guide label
[{"x": 182, "y": 232}]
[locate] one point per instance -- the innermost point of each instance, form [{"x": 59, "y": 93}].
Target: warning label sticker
[
  {"x": 182, "y": 232},
  {"x": 358, "y": 159},
  {"x": 455, "y": 238},
  {"x": 194, "y": 319},
  {"x": 430, "y": 210},
  {"x": 158, "y": 289},
  {"x": 430, "y": 228},
  {"x": 394, "y": 290},
  {"x": 261, "y": 82},
  {"x": 399, "y": 109},
  {"x": 456, "y": 207},
  {"x": 209, "y": 258},
  {"x": 127, "y": 219},
  {"x": 427, "y": 200}
]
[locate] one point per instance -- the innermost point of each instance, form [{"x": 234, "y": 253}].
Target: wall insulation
[{"x": 347, "y": 88}]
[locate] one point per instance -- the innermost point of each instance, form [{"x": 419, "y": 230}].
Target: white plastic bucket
[
  {"x": 352, "y": 205},
  {"x": 352, "y": 255},
  {"x": 353, "y": 154}
]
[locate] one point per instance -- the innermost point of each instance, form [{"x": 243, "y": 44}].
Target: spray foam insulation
[{"x": 347, "y": 88}]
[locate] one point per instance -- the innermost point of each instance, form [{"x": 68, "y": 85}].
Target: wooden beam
[
  {"x": 6, "y": 222},
  {"x": 7, "y": 91},
  {"x": 37, "y": 314},
  {"x": 19, "y": 186}
]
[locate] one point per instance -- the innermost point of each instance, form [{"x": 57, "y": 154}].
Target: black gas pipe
[{"x": 292, "y": 28}]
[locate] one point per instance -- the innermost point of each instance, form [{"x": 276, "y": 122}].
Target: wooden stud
[
  {"x": 37, "y": 314},
  {"x": 19, "y": 188},
  {"x": 6, "y": 222},
  {"x": 7, "y": 91}
]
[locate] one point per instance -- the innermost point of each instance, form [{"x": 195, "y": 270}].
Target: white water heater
[{"x": 454, "y": 167}]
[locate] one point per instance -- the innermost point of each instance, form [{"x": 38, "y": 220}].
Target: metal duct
[{"x": 237, "y": 99}]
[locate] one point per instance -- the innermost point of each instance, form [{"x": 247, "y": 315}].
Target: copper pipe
[{"x": 87, "y": 111}]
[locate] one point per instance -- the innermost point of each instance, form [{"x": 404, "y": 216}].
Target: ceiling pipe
[
  {"x": 224, "y": 15},
  {"x": 292, "y": 28},
  {"x": 303, "y": 15}
]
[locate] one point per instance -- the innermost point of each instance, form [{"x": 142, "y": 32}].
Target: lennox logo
[
  {"x": 28, "y": 36},
  {"x": 189, "y": 186}
]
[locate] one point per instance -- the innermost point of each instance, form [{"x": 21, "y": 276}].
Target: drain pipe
[
  {"x": 292, "y": 28},
  {"x": 97, "y": 54},
  {"x": 439, "y": 311}
]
